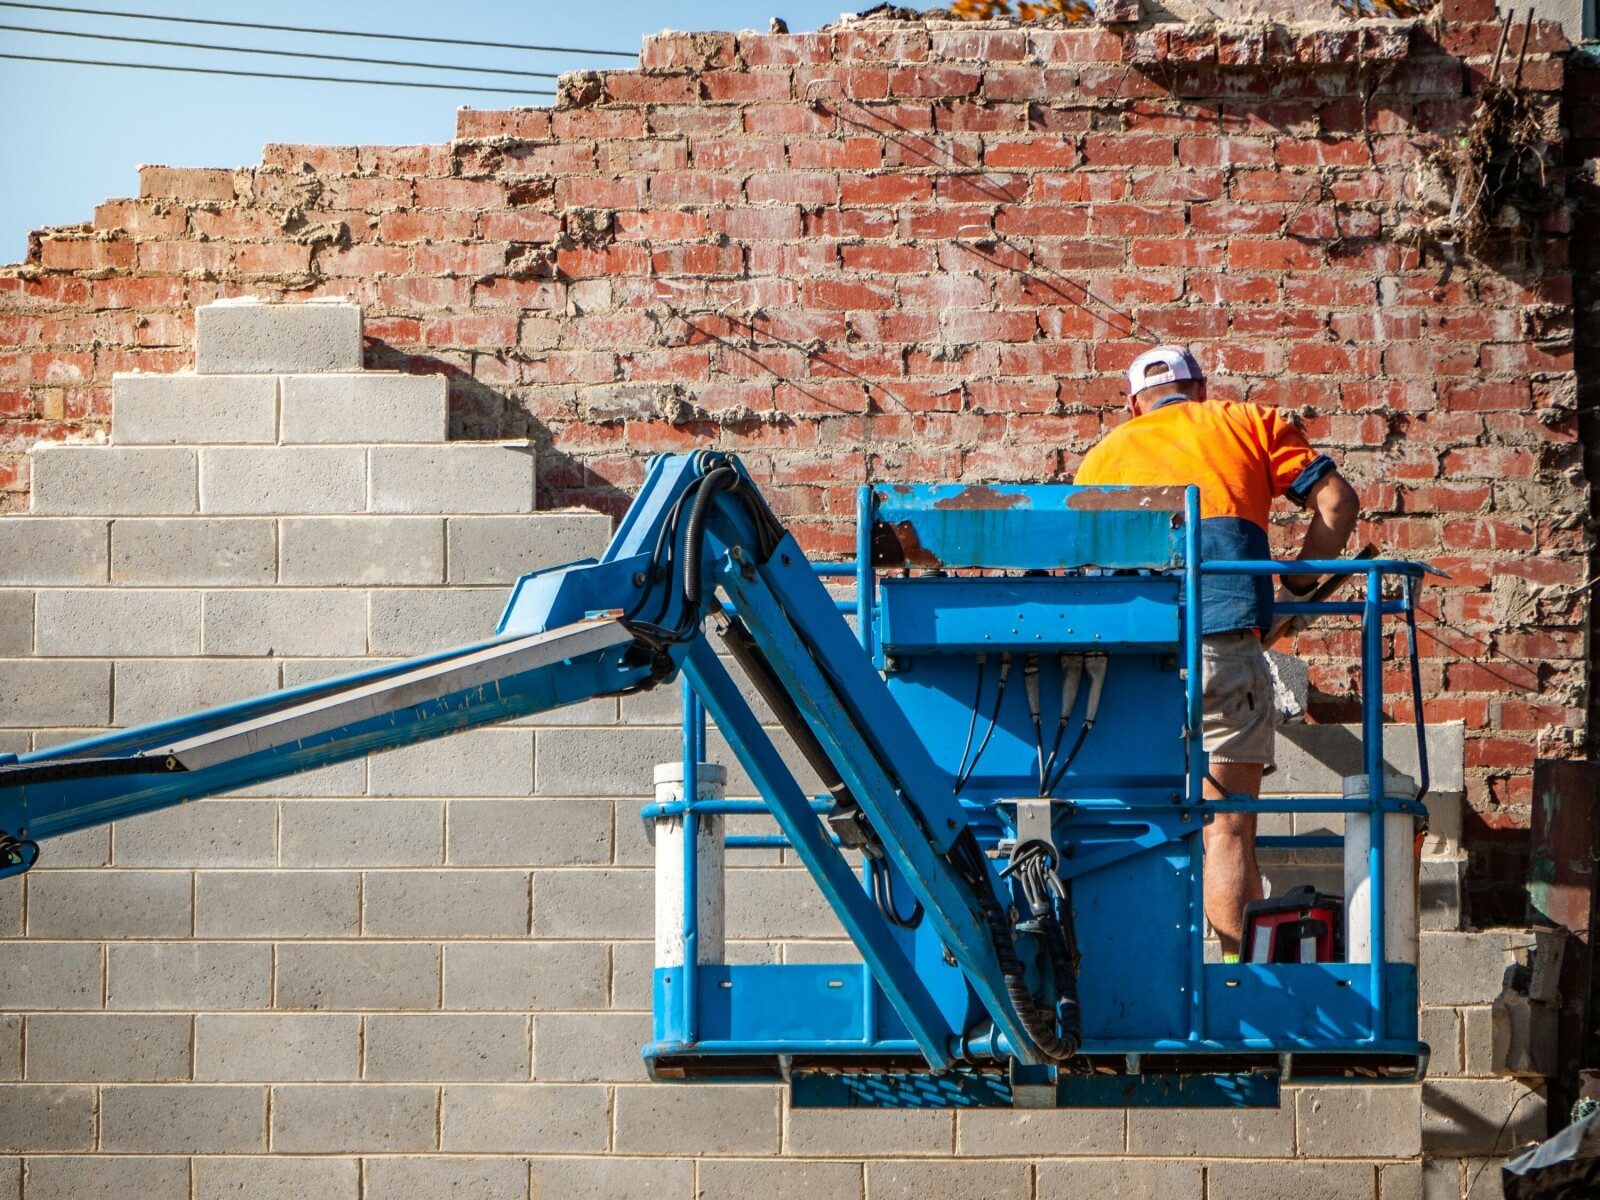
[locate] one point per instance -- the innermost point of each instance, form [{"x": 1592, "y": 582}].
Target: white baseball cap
[{"x": 1164, "y": 364}]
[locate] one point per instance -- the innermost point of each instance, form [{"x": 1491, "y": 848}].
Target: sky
[{"x": 74, "y": 135}]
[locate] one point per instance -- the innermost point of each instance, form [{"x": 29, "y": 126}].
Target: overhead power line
[
  {"x": 396, "y": 83},
  {"x": 392, "y": 37},
  {"x": 378, "y": 62}
]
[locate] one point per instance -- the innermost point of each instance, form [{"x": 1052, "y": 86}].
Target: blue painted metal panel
[
  {"x": 982, "y": 613},
  {"x": 1025, "y": 526}
]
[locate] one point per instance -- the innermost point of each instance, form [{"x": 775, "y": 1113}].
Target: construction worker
[{"x": 1242, "y": 456}]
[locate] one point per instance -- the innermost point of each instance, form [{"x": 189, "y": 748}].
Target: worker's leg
[
  {"x": 1238, "y": 733},
  {"x": 1231, "y": 875}
]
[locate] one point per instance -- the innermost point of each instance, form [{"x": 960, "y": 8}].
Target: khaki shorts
[{"x": 1236, "y": 703}]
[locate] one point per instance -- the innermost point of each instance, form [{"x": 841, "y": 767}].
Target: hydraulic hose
[
  {"x": 1039, "y": 1025},
  {"x": 1095, "y": 666},
  {"x": 715, "y": 481}
]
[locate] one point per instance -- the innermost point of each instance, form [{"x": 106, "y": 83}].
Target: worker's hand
[{"x": 1298, "y": 586}]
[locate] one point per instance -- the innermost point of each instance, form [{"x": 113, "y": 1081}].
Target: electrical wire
[
  {"x": 397, "y": 83},
  {"x": 344, "y": 58},
  {"x": 391, "y": 37}
]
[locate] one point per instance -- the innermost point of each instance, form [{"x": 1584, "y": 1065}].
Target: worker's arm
[{"x": 1334, "y": 511}]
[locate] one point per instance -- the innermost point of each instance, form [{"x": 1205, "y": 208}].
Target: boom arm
[{"x": 697, "y": 540}]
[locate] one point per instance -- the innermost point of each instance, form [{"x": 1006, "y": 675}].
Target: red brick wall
[{"x": 902, "y": 251}]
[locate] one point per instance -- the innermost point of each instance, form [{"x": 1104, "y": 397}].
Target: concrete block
[
  {"x": 475, "y": 762},
  {"x": 446, "y": 904},
  {"x": 373, "y": 406},
  {"x": 705, "y": 1119},
  {"x": 10, "y": 1179},
  {"x": 1134, "y": 1179},
  {"x": 202, "y": 833},
  {"x": 272, "y": 1047},
  {"x": 603, "y": 762},
  {"x": 363, "y": 833},
  {"x": 527, "y": 1118},
  {"x": 34, "y": 694},
  {"x": 358, "y": 976},
  {"x": 458, "y": 477},
  {"x": 249, "y": 337},
  {"x": 536, "y": 833},
  {"x": 81, "y": 848},
  {"x": 1314, "y": 759},
  {"x": 778, "y": 903},
  {"x": 409, "y": 622},
  {"x": 365, "y": 550},
  {"x": 287, "y": 904},
  {"x": 1275, "y": 1180},
  {"x": 16, "y": 622},
  {"x": 281, "y": 622},
  {"x": 732, "y": 1179},
  {"x": 1463, "y": 968},
  {"x": 1400, "y": 1181},
  {"x": 612, "y": 1179},
  {"x": 11, "y": 907},
  {"x": 1441, "y": 1029},
  {"x": 118, "y": 623},
  {"x": 1359, "y": 1122},
  {"x": 10, "y": 1047},
  {"x": 467, "y": 1178},
  {"x": 1479, "y": 1116},
  {"x": 447, "y": 1046},
  {"x": 73, "y": 480},
  {"x": 1237, "y": 1133},
  {"x": 358, "y": 1118},
  {"x": 45, "y": 1116},
  {"x": 189, "y": 976},
  {"x": 50, "y": 975},
  {"x": 880, "y": 1132},
  {"x": 525, "y": 976},
  {"x": 1480, "y": 1179},
  {"x": 500, "y": 549},
  {"x": 158, "y": 689},
  {"x": 109, "y": 904},
  {"x": 1440, "y": 887},
  {"x": 590, "y": 1046},
  {"x": 633, "y": 967},
  {"x": 944, "y": 1180},
  {"x": 191, "y": 409},
  {"x": 90, "y": 1047},
  {"x": 194, "y": 551},
  {"x": 299, "y": 479},
  {"x": 1477, "y": 1040},
  {"x": 277, "y": 1178},
  {"x": 98, "y": 1177},
  {"x": 594, "y": 904},
  {"x": 177, "y": 1118},
  {"x": 992, "y": 1132},
  {"x": 46, "y": 551}
]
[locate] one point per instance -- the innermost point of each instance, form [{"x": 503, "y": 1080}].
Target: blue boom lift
[{"x": 1010, "y": 830}]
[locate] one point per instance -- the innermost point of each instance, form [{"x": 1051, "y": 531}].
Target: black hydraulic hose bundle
[{"x": 1040, "y": 1026}]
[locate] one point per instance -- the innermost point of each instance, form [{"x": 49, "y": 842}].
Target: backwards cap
[{"x": 1164, "y": 364}]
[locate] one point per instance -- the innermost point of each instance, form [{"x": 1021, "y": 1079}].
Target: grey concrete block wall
[{"x": 431, "y": 972}]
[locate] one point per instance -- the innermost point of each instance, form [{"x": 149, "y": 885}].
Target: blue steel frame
[{"x": 1388, "y": 990}]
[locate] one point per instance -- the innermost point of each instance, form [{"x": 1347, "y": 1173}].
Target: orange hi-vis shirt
[{"x": 1242, "y": 457}]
